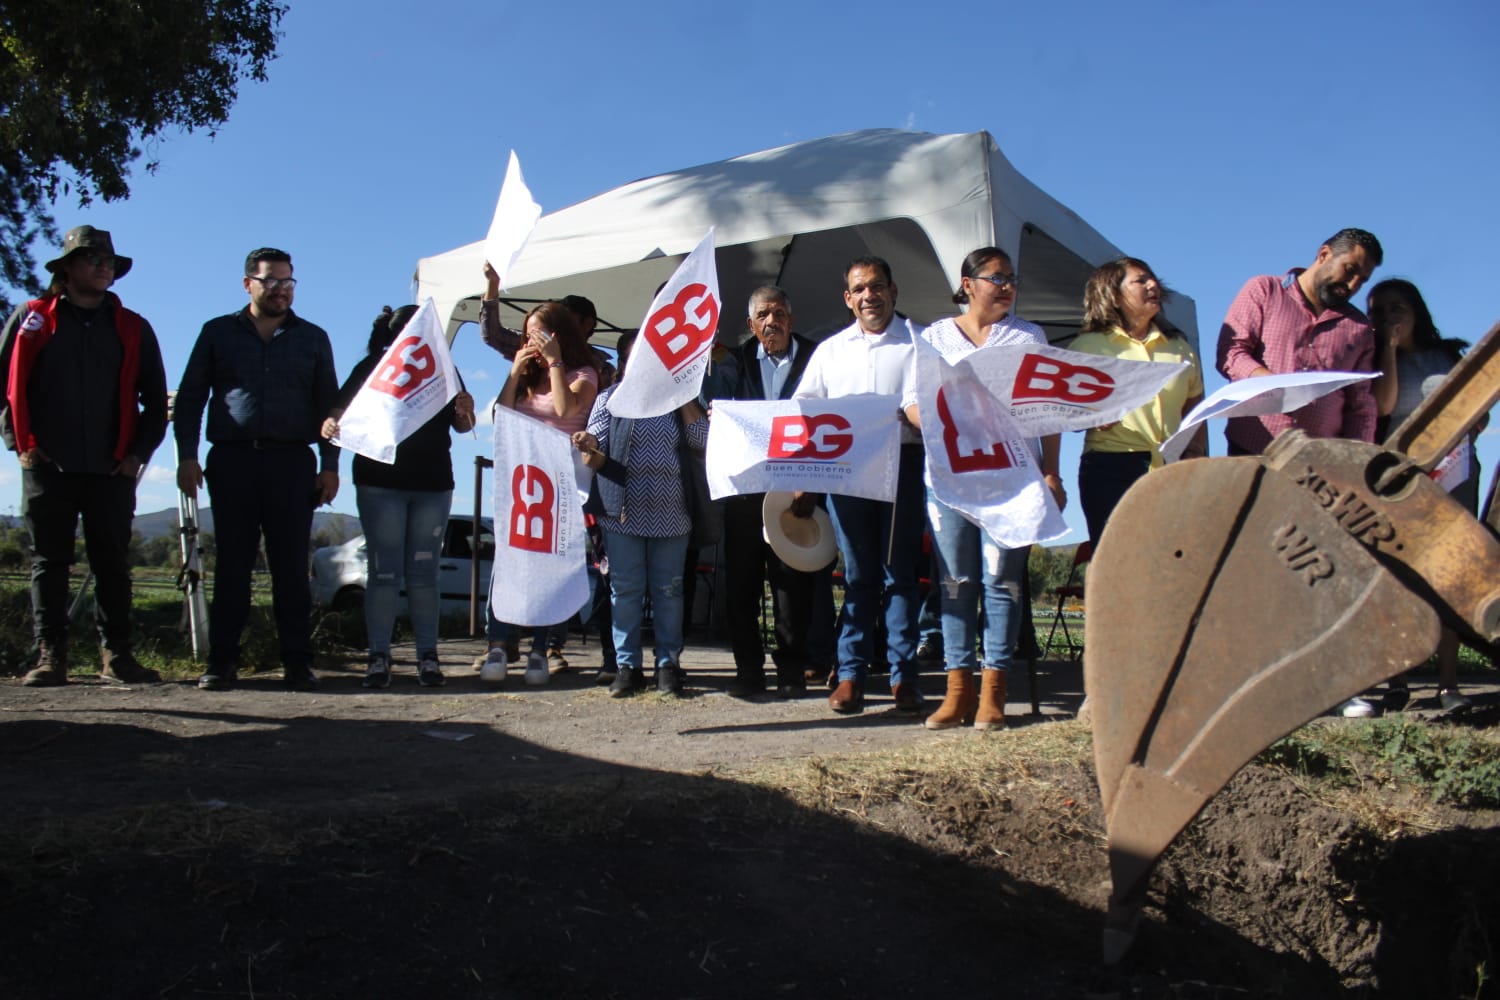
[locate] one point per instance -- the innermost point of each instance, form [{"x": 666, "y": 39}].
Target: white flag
[
  {"x": 515, "y": 217},
  {"x": 1048, "y": 390},
  {"x": 1253, "y": 397},
  {"x": 671, "y": 355},
  {"x": 412, "y": 383},
  {"x": 979, "y": 461},
  {"x": 540, "y": 577},
  {"x": 1453, "y": 471},
  {"x": 850, "y": 445}
]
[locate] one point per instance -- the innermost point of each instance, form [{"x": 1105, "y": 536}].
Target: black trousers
[
  {"x": 748, "y": 564},
  {"x": 1103, "y": 480},
  {"x": 51, "y": 503},
  {"x": 257, "y": 492}
]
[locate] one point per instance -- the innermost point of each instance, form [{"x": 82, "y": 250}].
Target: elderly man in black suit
[{"x": 770, "y": 367}]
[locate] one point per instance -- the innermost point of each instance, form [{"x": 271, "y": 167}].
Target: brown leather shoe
[
  {"x": 908, "y": 698},
  {"x": 847, "y": 698}
]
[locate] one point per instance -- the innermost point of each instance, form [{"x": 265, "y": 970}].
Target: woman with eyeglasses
[
  {"x": 1121, "y": 303},
  {"x": 973, "y": 569},
  {"x": 1414, "y": 358},
  {"x": 403, "y": 508}
]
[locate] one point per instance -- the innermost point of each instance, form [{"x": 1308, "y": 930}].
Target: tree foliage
[
  {"x": 1049, "y": 568},
  {"x": 86, "y": 84}
]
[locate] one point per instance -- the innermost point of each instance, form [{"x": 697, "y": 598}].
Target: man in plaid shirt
[{"x": 1305, "y": 322}]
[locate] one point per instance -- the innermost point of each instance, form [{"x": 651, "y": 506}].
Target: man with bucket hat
[{"x": 85, "y": 406}]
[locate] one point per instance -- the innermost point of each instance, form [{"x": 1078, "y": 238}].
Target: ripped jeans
[
  {"x": 403, "y": 540},
  {"x": 974, "y": 571}
]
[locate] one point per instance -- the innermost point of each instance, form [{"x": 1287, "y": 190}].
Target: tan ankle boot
[
  {"x": 958, "y": 704},
  {"x": 51, "y": 668},
  {"x": 991, "y": 714}
]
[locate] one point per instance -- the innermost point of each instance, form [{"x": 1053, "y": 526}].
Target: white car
[{"x": 339, "y": 571}]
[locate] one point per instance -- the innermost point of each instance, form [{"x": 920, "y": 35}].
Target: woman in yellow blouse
[{"x": 1121, "y": 303}]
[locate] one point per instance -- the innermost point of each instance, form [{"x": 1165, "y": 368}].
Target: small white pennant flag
[
  {"x": 515, "y": 217},
  {"x": 1253, "y": 397}
]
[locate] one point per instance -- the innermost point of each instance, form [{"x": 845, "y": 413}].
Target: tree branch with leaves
[{"x": 86, "y": 84}]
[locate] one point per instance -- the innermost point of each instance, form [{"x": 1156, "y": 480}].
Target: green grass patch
[
  {"x": 161, "y": 639},
  {"x": 1454, "y": 766}
]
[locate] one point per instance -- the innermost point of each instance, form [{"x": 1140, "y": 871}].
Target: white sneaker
[
  {"x": 1357, "y": 708},
  {"x": 537, "y": 673},
  {"x": 493, "y": 667},
  {"x": 1451, "y": 701}
]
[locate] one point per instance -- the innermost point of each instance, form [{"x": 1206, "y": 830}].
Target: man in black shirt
[
  {"x": 85, "y": 406},
  {"x": 266, "y": 377}
]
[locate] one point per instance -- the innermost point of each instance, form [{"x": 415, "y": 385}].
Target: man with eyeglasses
[
  {"x": 880, "y": 542},
  {"x": 85, "y": 406},
  {"x": 267, "y": 379}
]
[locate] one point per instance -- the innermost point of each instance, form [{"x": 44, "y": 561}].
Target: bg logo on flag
[
  {"x": 803, "y": 438},
  {"x": 533, "y": 511},
  {"x": 406, "y": 367},
  {"x": 672, "y": 332},
  {"x": 1040, "y": 378},
  {"x": 998, "y": 455}
]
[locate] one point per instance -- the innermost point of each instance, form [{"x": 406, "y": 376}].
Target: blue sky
[{"x": 1215, "y": 140}]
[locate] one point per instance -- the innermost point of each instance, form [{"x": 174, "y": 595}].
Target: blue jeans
[
  {"x": 973, "y": 569},
  {"x": 881, "y": 544},
  {"x": 403, "y": 540},
  {"x": 636, "y": 565}
]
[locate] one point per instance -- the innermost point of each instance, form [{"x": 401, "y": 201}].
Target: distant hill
[{"x": 164, "y": 522}]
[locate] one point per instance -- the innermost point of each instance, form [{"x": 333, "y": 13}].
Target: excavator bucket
[
  {"x": 1225, "y": 609},
  {"x": 1233, "y": 599}
]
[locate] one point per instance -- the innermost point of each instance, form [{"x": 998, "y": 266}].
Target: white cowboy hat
[{"x": 803, "y": 543}]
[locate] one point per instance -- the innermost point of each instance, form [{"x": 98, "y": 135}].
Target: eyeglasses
[
  {"x": 271, "y": 284},
  {"x": 1001, "y": 281},
  {"x": 100, "y": 260}
]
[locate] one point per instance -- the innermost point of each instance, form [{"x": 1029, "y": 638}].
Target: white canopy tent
[{"x": 794, "y": 216}]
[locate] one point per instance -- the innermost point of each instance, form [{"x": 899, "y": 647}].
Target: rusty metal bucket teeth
[{"x": 1225, "y": 609}]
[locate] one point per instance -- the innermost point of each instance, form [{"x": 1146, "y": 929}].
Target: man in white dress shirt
[{"x": 881, "y": 542}]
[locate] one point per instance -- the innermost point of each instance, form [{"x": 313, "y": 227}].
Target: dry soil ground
[{"x": 552, "y": 842}]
